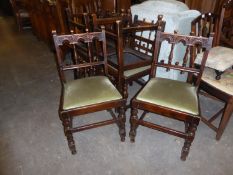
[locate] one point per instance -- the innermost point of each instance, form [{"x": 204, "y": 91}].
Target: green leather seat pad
[
  {"x": 172, "y": 94},
  {"x": 131, "y": 72},
  {"x": 89, "y": 91}
]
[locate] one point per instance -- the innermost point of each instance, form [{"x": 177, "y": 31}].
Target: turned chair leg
[
  {"x": 133, "y": 124},
  {"x": 192, "y": 127},
  {"x": 67, "y": 124},
  {"x": 122, "y": 120}
]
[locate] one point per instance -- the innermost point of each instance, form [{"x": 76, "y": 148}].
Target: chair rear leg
[
  {"x": 225, "y": 119},
  {"x": 192, "y": 127},
  {"x": 67, "y": 124},
  {"x": 133, "y": 124},
  {"x": 122, "y": 119}
]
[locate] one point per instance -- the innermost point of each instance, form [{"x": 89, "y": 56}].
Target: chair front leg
[
  {"x": 67, "y": 124},
  {"x": 122, "y": 119},
  {"x": 191, "y": 129},
  {"x": 133, "y": 124}
]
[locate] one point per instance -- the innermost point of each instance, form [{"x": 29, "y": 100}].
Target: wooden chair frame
[
  {"x": 191, "y": 121},
  {"x": 67, "y": 116}
]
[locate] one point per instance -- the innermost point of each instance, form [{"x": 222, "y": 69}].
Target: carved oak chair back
[
  {"x": 172, "y": 98},
  {"x": 89, "y": 93}
]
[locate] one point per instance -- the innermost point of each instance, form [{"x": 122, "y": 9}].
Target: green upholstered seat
[
  {"x": 171, "y": 94},
  {"x": 131, "y": 72},
  {"x": 89, "y": 91}
]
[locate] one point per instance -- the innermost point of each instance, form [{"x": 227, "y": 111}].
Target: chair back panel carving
[
  {"x": 187, "y": 65},
  {"x": 87, "y": 60}
]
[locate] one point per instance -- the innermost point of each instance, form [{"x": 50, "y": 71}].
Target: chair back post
[
  {"x": 120, "y": 60},
  {"x": 58, "y": 58},
  {"x": 155, "y": 55},
  {"x": 207, "y": 45},
  {"x": 104, "y": 48}
]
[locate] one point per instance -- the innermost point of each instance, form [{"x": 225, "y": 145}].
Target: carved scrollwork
[
  {"x": 187, "y": 41},
  {"x": 75, "y": 38}
]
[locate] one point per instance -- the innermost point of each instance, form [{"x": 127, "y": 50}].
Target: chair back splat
[
  {"x": 191, "y": 43},
  {"x": 84, "y": 59},
  {"x": 91, "y": 90},
  {"x": 172, "y": 98}
]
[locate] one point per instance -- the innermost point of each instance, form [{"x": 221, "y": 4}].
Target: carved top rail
[
  {"x": 76, "y": 38},
  {"x": 82, "y": 59}
]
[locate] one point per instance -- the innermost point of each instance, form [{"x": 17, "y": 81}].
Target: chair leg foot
[
  {"x": 122, "y": 120},
  {"x": 67, "y": 124},
  {"x": 71, "y": 144},
  {"x": 188, "y": 141},
  {"x": 185, "y": 149},
  {"x": 133, "y": 124}
]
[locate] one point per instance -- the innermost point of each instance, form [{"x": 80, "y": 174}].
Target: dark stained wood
[
  {"x": 191, "y": 121},
  {"x": 65, "y": 44}
]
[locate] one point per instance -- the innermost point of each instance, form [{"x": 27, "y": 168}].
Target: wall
[{"x": 203, "y": 6}]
